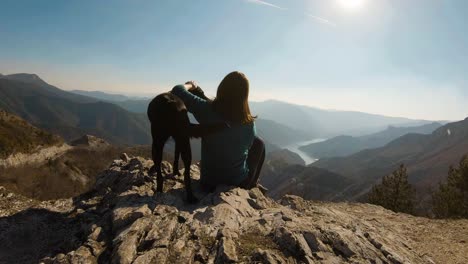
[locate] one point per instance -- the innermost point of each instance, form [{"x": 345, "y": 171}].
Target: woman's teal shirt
[{"x": 224, "y": 154}]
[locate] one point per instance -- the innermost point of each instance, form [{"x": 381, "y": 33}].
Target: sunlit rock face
[{"x": 122, "y": 220}]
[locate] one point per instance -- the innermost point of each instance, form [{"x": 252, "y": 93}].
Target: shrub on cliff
[
  {"x": 451, "y": 200},
  {"x": 394, "y": 192}
]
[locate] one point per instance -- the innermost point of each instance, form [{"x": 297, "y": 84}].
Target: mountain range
[
  {"x": 427, "y": 157},
  {"x": 315, "y": 122},
  {"x": 70, "y": 115},
  {"x": 347, "y": 145},
  {"x": 109, "y": 97},
  {"x": 327, "y": 123},
  {"x": 270, "y": 130}
]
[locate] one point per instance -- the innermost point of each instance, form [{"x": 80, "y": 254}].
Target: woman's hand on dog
[{"x": 191, "y": 84}]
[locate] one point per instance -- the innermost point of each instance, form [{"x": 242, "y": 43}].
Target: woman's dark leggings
[{"x": 255, "y": 160}]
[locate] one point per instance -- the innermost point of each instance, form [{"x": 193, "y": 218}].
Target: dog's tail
[{"x": 200, "y": 130}]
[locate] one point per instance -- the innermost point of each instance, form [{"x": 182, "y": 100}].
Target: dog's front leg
[
  {"x": 175, "y": 167},
  {"x": 159, "y": 178},
  {"x": 188, "y": 188},
  {"x": 187, "y": 158},
  {"x": 157, "y": 151}
]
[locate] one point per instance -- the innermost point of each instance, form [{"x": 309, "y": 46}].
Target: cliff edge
[{"x": 123, "y": 221}]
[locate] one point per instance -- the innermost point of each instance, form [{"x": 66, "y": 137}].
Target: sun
[{"x": 351, "y": 4}]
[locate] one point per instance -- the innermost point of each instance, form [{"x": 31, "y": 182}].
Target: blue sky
[{"x": 393, "y": 57}]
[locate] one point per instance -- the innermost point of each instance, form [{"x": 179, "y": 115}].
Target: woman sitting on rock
[{"x": 233, "y": 156}]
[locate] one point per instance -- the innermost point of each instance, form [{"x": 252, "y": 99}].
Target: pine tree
[
  {"x": 394, "y": 193},
  {"x": 451, "y": 200}
]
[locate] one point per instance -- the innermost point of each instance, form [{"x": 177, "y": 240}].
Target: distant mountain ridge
[
  {"x": 315, "y": 122},
  {"x": 326, "y": 123},
  {"x": 135, "y": 105},
  {"x": 45, "y": 88},
  {"x": 73, "y": 115},
  {"x": 276, "y": 134},
  {"x": 347, "y": 145},
  {"x": 110, "y": 97},
  {"x": 70, "y": 115},
  {"x": 26, "y": 77},
  {"x": 279, "y": 134},
  {"x": 427, "y": 157}
]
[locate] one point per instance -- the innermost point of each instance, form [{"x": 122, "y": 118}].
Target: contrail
[
  {"x": 322, "y": 20},
  {"x": 260, "y": 2},
  {"x": 316, "y": 18}
]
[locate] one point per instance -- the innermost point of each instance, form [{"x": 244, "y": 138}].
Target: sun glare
[{"x": 351, "y": 4}]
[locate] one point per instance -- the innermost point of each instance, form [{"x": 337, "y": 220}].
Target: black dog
[{"x": 168, "y": 116}]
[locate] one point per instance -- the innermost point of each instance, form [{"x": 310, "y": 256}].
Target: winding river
[{"x": 295, "y": 148}]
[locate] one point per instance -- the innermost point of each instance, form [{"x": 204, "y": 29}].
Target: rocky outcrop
[
  {"x": 37, "y": 157},
  {"x": 90, "y": 141},
  {"x": 122, "y": 220}
]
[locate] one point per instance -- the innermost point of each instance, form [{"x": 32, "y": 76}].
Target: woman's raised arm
[{"x": 194, "y": 104}]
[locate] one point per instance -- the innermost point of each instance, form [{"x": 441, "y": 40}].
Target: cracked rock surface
[{"x": 122, "y": 220}]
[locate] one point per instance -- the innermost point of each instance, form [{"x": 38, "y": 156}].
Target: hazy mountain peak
[
  {"x": 26, "y": 77},
  {"x": 272, "y": 101},
  {"x": 112, "y": 97},
  {"x": 283, "y": 103},
  {"x": 462, "y": 125},
  {"x": 70, "y": 115}
]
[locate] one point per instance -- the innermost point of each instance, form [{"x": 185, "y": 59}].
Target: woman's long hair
[{"x": 231, "y": 100}]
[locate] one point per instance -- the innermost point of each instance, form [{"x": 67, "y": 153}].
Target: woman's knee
[{"x": 258, "y": 143}]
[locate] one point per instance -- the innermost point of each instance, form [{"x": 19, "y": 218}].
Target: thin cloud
[
  {"x": 318, "y": 19},
  {"x": 322, "y": 20},
  {"x": 260, "y": 2}
]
